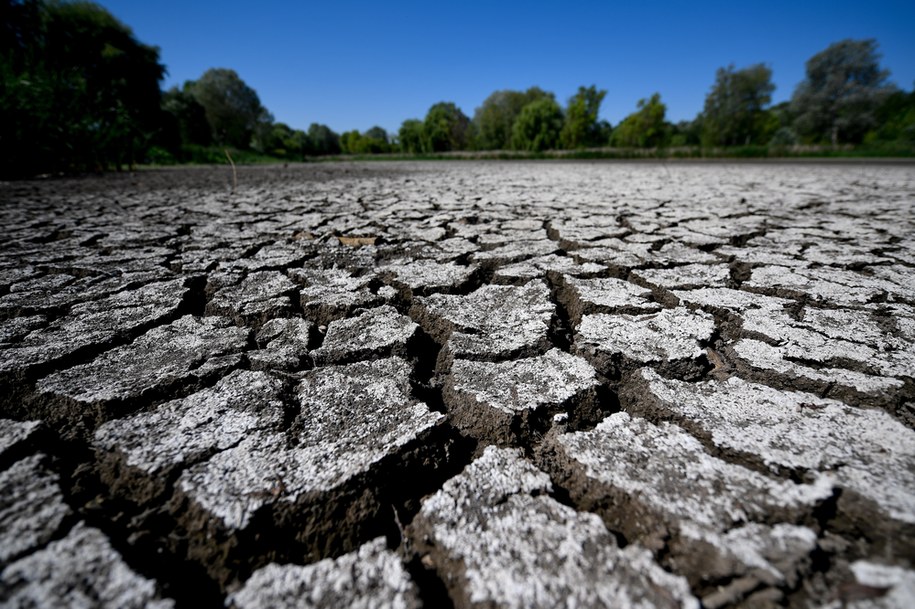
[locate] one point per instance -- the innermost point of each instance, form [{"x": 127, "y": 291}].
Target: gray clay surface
[{"x": 405, "y": 385}]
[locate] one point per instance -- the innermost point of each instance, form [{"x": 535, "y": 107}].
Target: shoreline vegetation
[
  {"x": 79, "y": 93},
  {"x": 216, "y": 156}
]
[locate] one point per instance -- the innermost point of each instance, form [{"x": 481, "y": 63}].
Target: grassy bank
[{"x": 199, "y": 155}]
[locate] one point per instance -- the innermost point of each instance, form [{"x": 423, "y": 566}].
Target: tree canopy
[
  {"x": 844, "y": 86},
  {"x": 734, "y": 111},
  {"x": 644, "y": 128},
  {"x": 538, "y": 126},
  {"x": 445, "y": 128},
  {"x": 411, "y": 136},
  {"x": 581, "y": 127},
  {"x": 494, "y": 119},
  {"x": 78, "y": 92},
  {"x": 233, "y": 109}
]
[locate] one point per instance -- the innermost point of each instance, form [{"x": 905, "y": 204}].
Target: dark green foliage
[
  {"x": 78, "y": 90},
  {"x": 282, "y": 141},
  {"x": 581, "y": 128},
  {"x": 349, "y": 141},
  {"x": 644, "y": 128},
  {"x": 686, "y": 133},
  {"x": 446, "y": 128},
  {"x": 538, "y": 126},
  {"x": 410, "y": 135},
  {"x": 233, "y": 109},
  {"x": 493, "y": 120},
  {"x": 734, "y": 113},
  {"x": 373, "y": 141},
  {"x": 186, "y": 117},
  {"x": 896, "y": 120},
  {"x": 322, "y": 140},
  {"x": 838, "y": 100}
]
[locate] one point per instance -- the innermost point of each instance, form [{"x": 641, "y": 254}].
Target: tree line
[{"x": 80, "y": 92}]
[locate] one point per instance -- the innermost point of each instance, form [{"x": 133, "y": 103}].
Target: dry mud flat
[{"x": 463, "y": 384}]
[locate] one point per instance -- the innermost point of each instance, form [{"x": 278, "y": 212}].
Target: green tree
[
  {"x": 232, "y": 108},
  {"x": 581, "y": 127},
  {"x": 494, "y": 119},
  {"x": 78, "y": 91},
  {"x": 838, "y": 99},
  {"x": 895, "y": 120},
  {"x": 262, "y": 136},
  {"x": 538, "y": 126},
  {"x": 644, "y": 128},
  {"x": 186, "y": 117},
  {"x": 686, "y": 133},
  {"x": 349, "y": 141},
  {"x": 734, "y": 112},
  {"x": 374, "y": 141},
  {"x": 322, "y": 140},
  {"x": 445, "y": 128},
  {"x": 283, "y": 141},
  {"x": 410, "y": 135}
]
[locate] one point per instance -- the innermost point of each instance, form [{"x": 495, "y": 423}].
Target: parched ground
[{"x": 462, "y": 384}]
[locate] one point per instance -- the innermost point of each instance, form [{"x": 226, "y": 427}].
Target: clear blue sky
[{"x": 352, "y": 65}]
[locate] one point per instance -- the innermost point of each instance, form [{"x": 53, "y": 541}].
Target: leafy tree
[
  {"x": 322, "y": 140},
  {"x": 896, "y": 120},
  {"x": 232, "y": 108},
  {"x": 686, "y": 133},
  {"x": 493, "y": 120},
  {"x": 734, "y": 111},
  {"x": 538, "y": 126},
  {"x": 581, "y": 127},
  {"x": 644, "y": 128},
  {"x": 186, "y": 117},
  {"x": 78, "y": 91},
  {"x": 376, "y": 140},
  {"x": 349, "y": 141},
  {"x": 373, "y": 141},
  {"x": 410, "y": 135},
  {"x": 841, "y": 93},
  {"x": 262, "y": 135},
  {"x": 283, "y": 141},
  {"x": 445, "y": 128}
]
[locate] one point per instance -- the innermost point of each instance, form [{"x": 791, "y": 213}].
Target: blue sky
[{"x": 352, "y": 64}]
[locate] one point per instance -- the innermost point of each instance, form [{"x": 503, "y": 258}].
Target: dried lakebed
[{"x": 464, "y": 384}]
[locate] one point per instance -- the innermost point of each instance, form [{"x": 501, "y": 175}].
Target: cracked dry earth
[{"x": 464, "y": 384}]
